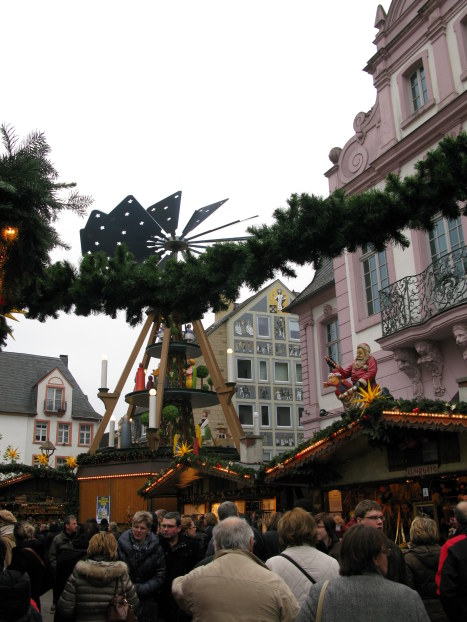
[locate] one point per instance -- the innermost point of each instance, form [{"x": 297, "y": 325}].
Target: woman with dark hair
[
  {"x": 301, "y": 564},
  {"x": 271, "y": 535},
  {"x": 328, "y": 540},
  {"x": 361, "y": 593},
  {"x": 421, "y": 564},
  {"x": 27, "y": 556},
  {"x": 90, "y": 588}
]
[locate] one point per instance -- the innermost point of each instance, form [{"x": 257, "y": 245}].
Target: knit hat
[{"x": 7, "y": 517}]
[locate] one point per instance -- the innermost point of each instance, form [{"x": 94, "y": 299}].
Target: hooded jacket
[{"x": 90, "y": 588}]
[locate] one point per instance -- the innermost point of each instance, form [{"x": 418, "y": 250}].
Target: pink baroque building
[{"x": 409, "y": 305}]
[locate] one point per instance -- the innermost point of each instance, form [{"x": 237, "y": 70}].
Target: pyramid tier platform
[
  {"x": 197, "y": 397},
  {"x": 191, "y": 350}
]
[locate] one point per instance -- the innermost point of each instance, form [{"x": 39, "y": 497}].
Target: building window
[
  {"x": 35, "y": 459},
  {"x": 263, "y": 371},
  {"x": 298, "y": 372},
  {"x": 332, "y": 344},
  {"x": 244, "y": 369},
  {"x": 294, "y": 330},
  {"x": 265, "y": 421},
  {"x": 54, "y": 399},
  {"x": 281, "y": 372},
  {"x": 60, "y": 461},
  {"x": 85, "y": 434},
  {"x": 41, "y": 431},
  {"x": 300, "y": 411},
  {"x": 445, "y": 237},
  {"x": 266, "y": 456},
  {"x": 63, "y": 433},
  {"x": 418, "y": 90},
  {"x": 283, "y": 418},
  {"x": 264, "y": 329},
  {"x": 245, "y": 414},
  {"x": 375, "y": 276}
]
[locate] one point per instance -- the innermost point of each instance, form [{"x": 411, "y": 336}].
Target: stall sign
[
  {"x": 103, "y": 508},
  {"x": 424, "y": 469}
]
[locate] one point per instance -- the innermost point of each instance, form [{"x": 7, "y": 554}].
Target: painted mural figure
[
  {"x": 280, "y": 298},
  {"x": 361, "y": 371}
]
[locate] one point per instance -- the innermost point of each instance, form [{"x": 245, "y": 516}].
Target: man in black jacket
[
  {"x": 454, "y": 581},
  {"x": 181, "y": 554}
]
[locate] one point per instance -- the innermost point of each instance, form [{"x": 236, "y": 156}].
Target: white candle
[
  {"x": 104, "y": 372},
  {"x": 256, "y": 424},
  {"x": 152, "y": 408},
  {"x": 111, "y": 433},
  {"x": 230, "y": 367}
]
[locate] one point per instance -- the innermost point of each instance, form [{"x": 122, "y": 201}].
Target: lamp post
[{"x": 47, "y": 449}]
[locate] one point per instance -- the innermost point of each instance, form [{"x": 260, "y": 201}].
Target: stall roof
[
  {"x": 441, "y": 422},
  {"x": 182, "y": 475}
]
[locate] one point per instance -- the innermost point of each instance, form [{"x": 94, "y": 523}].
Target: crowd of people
[{"x": 174, "y": 568}]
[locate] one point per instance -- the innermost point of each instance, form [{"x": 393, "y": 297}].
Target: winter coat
[
  {"x": 61, "y": 541},
  {"x": 15, "y": 593},
  {"x": 90, "y": 588},
  {"x": 271, "y": 542},
  {"x": 317, "y": 564},
  {"x": 26, "y": 557},
  {"x": 364, "y": 598},
  {"x": 453, "y": 586},
  {"x": 235, "y": 586},
  {"x": 146, "y": 565},
  {"x": 421, "y": 564}
]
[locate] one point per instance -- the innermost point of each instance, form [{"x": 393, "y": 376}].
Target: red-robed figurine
[{"x": 361, "y": 371}]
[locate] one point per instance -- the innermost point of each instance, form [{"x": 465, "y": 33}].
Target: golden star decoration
[
  {"x": 71, "y": 462},
  {"x": 368, "y": 395},
  {"x": 42, "y": 460},
  {"x": 183, "y": 450},
  {"x": 13, "y": 454}
]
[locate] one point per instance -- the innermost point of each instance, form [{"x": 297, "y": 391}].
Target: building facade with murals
[
  {"x": 407, "y": 304},
  {"x": 257, "y": 345}
]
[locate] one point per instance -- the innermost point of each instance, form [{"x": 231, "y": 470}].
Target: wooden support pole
[
  {"x": 110, "y": 399},
  {"x": 224, "y": 391}
]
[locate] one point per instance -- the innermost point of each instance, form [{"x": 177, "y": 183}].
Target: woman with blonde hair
[
  {"x": 94, "y": 581},
  {"x": 421, "y": 563},
  {"x": 300, "y": 564}
]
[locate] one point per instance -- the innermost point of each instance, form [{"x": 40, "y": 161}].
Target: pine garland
[{"x": 310, "y": 229}]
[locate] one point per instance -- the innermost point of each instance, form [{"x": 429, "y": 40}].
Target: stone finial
[
  {"x": 334, "y": 154},
  {"x": 380, "y": 19}
]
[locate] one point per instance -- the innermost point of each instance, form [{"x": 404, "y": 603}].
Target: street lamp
[{"x": 47, "y": 449}]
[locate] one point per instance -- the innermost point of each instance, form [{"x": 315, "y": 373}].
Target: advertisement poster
[{"x": 103, "y": 508}]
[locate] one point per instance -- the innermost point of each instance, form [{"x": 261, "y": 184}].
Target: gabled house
[{"x": 41, "y": 401}]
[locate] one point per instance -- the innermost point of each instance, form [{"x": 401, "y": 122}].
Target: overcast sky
[{"x": 219, "y": 99}]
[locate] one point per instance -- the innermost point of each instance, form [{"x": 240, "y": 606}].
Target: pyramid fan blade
[
  {"x": 200, "y": 216},
  {"x": 166, "y": 212}
]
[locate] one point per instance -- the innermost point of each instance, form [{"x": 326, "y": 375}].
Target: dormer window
[
  {"x": 55, "y": 397},
  {"x": 418, "y": 88}
]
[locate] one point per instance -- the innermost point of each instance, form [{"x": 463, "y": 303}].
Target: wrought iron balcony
[
  {"x": 55, "y": 406},
  {"x": 415, "y": 299}
]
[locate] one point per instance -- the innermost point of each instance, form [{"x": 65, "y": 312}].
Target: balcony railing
[
  {"x": 415, "y": 299},
  {"x": 54, "y": 406}
]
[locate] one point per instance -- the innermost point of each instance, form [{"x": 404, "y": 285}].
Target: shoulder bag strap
[
  {"x": 123, "y": 587},
  {"x": 319, "y": 610},
  {"x": 308, "y": 576},
  {"x": 26, "y": 548}
]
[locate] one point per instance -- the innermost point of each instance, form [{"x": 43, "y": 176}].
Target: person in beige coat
[{"x": 236, "y": 585}]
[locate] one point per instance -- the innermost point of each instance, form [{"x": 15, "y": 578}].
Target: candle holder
[
  {"x": 153, "y": 436},
  {"x": 103, "y": 390}
]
